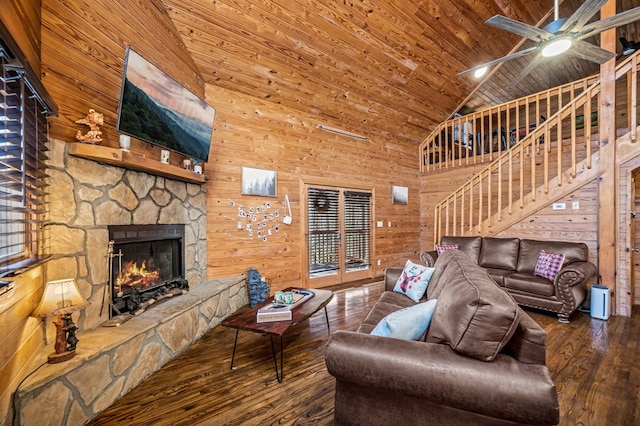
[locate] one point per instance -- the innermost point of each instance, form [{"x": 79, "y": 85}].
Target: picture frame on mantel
[
  {"x": 400, "y": 195},
  {"x": 259, "y": 182}
]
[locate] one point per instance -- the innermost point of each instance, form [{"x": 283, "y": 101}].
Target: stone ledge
[{"x": 110, "y": 361}]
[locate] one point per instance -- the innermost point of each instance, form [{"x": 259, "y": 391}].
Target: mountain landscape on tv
[{"x": 145, "y": 119}]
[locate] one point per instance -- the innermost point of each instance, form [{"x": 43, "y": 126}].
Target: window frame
[{"x": 25, "y": 107}]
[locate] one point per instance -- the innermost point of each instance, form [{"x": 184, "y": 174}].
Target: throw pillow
[
  {"x": 440, "y": 249},
  {"x": 413, "y": 280},
  {"x": 408, "y": 323},
  {"x": 548, "y": 265}
]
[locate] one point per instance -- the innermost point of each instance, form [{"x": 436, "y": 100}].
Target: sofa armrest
[
  {"x": 574, "y": 274},
  {"x": 429, "y": 258},
  {"x": 391, "y": 276},
  {"x": 571, "y": 288},
  {"x": 503, "y": 388}
]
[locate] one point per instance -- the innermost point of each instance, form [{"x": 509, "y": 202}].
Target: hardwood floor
[{"x": 595, "y": 365}]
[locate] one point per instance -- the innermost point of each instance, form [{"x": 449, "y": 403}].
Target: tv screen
[{"x": 157, "y": 109}]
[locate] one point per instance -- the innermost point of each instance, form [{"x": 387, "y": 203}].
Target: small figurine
[
  {"x": 61, "y": 336},
  {"x": 70, "y": 328},
  {"x": 94, "y": 120}
]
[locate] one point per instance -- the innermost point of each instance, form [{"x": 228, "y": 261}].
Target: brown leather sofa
[
  {"x": 481, "y": 361},
  {"x": 512, "y": 261}
]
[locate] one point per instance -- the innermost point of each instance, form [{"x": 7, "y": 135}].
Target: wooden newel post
[{"x": 607, "y": 185}]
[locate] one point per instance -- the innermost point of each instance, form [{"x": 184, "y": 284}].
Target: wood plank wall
[
  {"x": 22, "y": 19},
  {"x": 82, "y": 66},
  {"x": 627, "y": 287},
  {"x": 83, "y": 52},
  {"x": 253, "y": 133},
  {"x": 564, "y": 225}
]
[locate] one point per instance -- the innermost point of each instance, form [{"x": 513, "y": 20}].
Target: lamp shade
[{"x": 60, "y": 297}]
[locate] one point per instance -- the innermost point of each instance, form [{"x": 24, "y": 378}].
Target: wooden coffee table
[{"x": 245, "y": 319}]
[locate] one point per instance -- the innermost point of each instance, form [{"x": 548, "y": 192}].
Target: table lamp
[{"x": 60, "y": 299}]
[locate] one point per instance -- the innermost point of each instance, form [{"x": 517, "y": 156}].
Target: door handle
[{"x": 635, "y": 250}]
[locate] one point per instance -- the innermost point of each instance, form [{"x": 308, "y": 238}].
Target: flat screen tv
[{"x": 157, "y": 109}]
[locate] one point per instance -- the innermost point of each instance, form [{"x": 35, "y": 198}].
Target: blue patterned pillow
[
  {"x": 413, "y": 280},
  {"x": 408, "y": 323}
]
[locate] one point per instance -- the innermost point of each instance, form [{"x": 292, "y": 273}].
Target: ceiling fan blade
[
  {"x": 497, "y": 61},
  {"x": 614, "y": 21},
  {"x": 531, "y": 65},
  {"x": 590, "y": 52},
  {"x": 518, "y": 28},
  {"x": 581, "y": 16}
]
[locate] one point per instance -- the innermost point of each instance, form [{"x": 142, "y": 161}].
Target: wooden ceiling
[{"x": 383, "y": 68}]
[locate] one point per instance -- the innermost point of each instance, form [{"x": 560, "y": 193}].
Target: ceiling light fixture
[
  {"x": 480, "y": 72},
  {"x": 556, "y": 46},
  {"x": 341, "y": 132}
]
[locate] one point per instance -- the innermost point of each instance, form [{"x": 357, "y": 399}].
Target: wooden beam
[{"x": 607, "y": 223}]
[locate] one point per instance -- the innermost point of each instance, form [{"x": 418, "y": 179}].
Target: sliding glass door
[{"x": 338, "y": 235}]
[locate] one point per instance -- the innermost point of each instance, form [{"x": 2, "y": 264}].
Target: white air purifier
[{"x": 600, "y": 301}]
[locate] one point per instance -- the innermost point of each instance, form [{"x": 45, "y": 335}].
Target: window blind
[
  {"x": 324, "y": 230},
  {"x": 23, "y": 195},
  {"x": 357, "y": 223}
]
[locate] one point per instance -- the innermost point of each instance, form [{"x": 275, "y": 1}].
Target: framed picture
[
  {"x": 400, "y": 195},
  {"x": 258, "y": 182}
]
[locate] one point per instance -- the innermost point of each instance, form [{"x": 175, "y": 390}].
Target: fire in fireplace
[{"x": 146, "y": 265}]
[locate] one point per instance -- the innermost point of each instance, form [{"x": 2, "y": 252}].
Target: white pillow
[
  {"x": 408, "y": 323},
  {"x": 413, "y": 280}
]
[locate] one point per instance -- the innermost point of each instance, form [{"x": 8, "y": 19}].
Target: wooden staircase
[{"x": 534, "y": 162}]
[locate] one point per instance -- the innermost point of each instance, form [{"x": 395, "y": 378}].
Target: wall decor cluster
[{"x": 260, "y": 220}]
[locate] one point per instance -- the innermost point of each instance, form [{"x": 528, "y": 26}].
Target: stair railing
[
  {"x": 546, "y": 158},
  {"x": 482, "y": 136}
]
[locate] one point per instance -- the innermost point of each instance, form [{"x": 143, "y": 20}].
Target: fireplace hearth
[{"x": 146, "y": 266}]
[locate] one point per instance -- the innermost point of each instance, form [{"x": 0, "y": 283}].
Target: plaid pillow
[
  {"x": 548, "y": 265},
  {"x": 440, "y": 249}
]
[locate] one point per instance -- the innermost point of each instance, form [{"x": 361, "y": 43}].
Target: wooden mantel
[{"x": 129, "y": 160}]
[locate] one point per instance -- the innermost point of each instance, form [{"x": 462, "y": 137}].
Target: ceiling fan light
[
  {"x": 480, "y": 72},
  {"x": 556, "y": 46}
]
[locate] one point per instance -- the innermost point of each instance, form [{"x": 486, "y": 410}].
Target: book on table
[{"x": 274, "y": 312}]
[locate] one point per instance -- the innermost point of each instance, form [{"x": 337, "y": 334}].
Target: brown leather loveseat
[
  {"x": 511, "y": 263},
  {"x": 481, "y": 361}
]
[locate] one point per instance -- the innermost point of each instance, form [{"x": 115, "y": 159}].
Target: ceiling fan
[{"x": 559, "y": 36}]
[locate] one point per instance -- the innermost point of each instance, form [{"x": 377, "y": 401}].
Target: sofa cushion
[
  {"x": 499, "y": 253},
  {"x": 413, "y": 280},
  {"x": 531, "y": 284},
  {"x": 468, "y": 245},
  {"x": 529, "y": 343},
  {"x": 408, "y": 323},
  {"x": 530, "y": 249},
  {"x": 548, "y": 265},
  {"x": 473, "y": 315},
  {"x": 389, "y": 302},
  {"x": 436, "y": 284},
  {"x": 498, "y": 275}
]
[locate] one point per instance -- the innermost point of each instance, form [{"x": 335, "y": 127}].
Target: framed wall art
[
  {"x": 258, "y": 182},
  {"x": 400, "y": 195}
]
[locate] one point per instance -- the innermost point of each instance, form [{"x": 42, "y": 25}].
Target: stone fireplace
[{"x": 94, "y": 204}]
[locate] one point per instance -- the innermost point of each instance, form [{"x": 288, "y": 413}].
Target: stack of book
[{"x": 274, "y": 312}]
